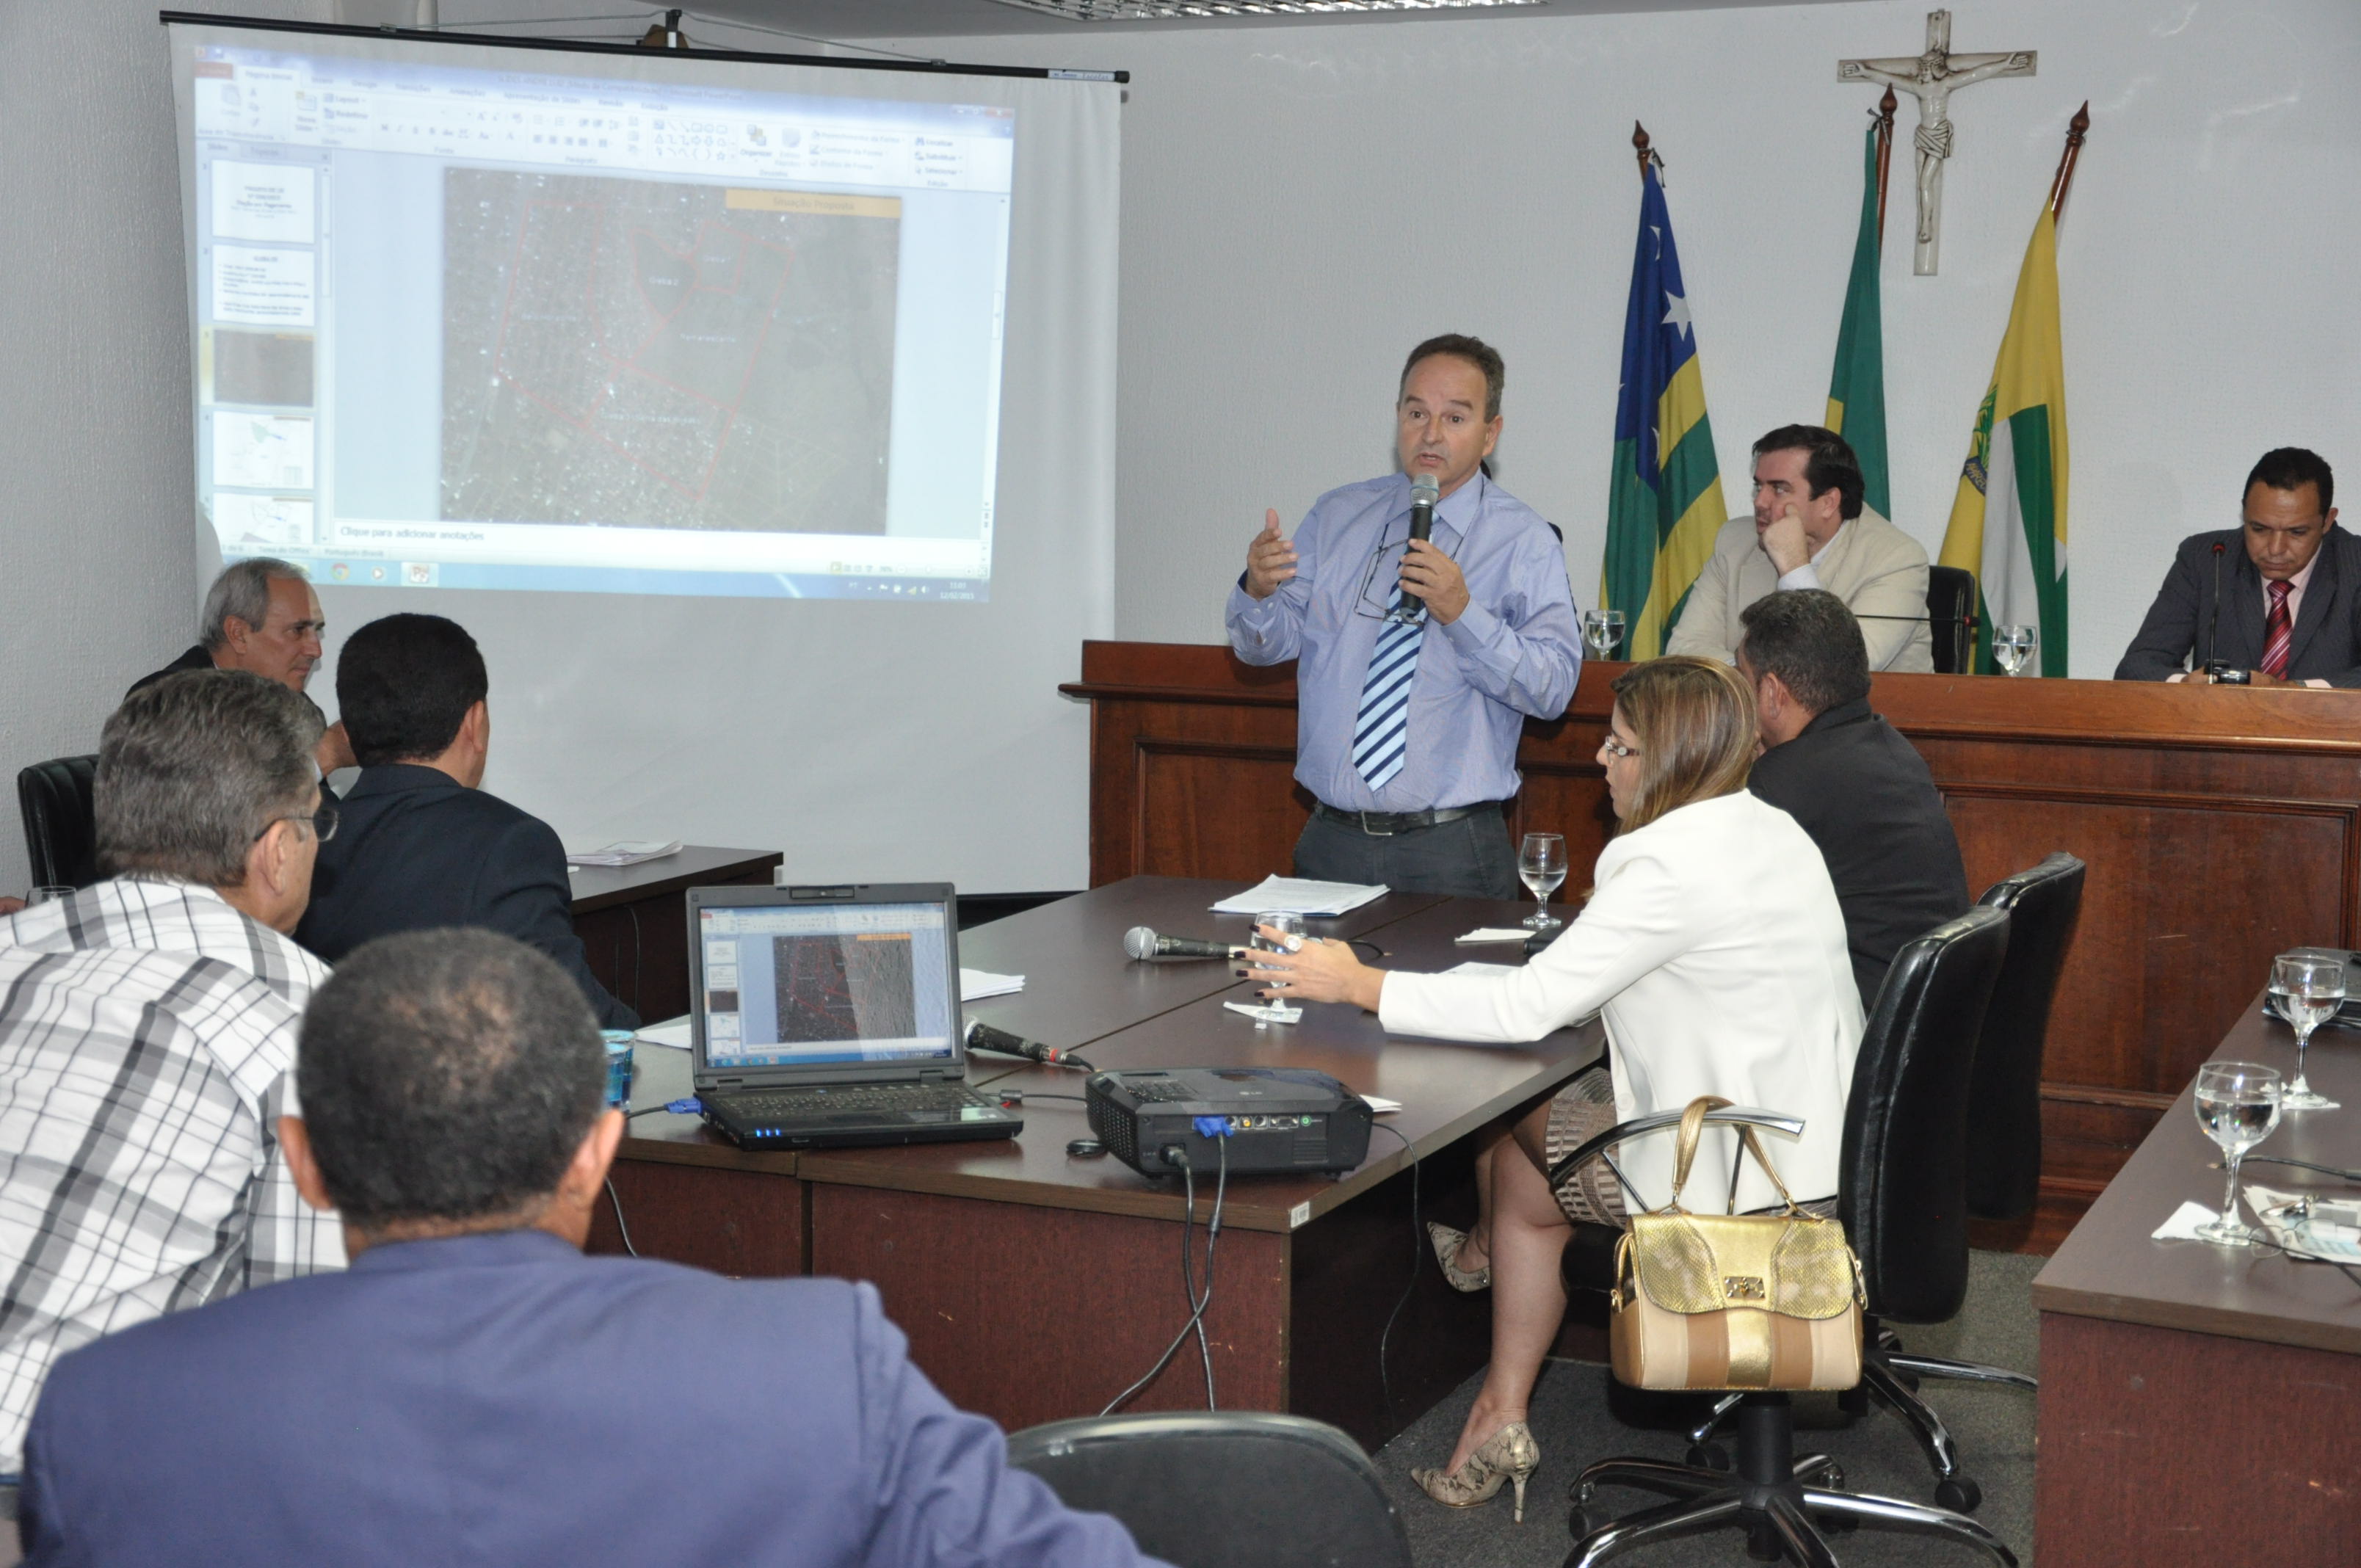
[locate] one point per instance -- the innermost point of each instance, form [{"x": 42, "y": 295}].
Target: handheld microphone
[
  {"x": 2215, "y": 626},
  {"x": 1424, "y": 493},
  {"x": 1142, "y": 942},
  {"x": 982, "y": 1036}
]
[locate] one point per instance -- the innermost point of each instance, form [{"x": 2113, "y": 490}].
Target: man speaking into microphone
[{"x": 1417, "y": 658}]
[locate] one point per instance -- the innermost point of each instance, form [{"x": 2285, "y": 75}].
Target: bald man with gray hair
[{"x": 261, "y": 616}]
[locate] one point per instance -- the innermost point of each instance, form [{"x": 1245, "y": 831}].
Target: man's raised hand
[{"x": 1270, "y": 559}]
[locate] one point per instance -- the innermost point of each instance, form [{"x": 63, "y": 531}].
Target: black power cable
[
  {"x": 1417, "y": 1252},
  {"x": 620, "y": 1226},
  {"x": 1196, "y": 1323}
]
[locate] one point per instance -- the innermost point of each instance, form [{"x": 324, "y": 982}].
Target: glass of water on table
[
  {"x": 2237, "y": 1104},
  {"x": 1541, "y": 866},
  {"x": 1289, "y": 925},
  {"x": 2308, "y": 988}
]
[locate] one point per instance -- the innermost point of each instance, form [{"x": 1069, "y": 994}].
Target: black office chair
[
  {"x": 2005, "y": 1094},
  {"x": 1902, "y": 1197},
  {"x": 60, "y": 831},
  {"x": 1951, "y": 618},
  {"x": 1223, "y": 1489}
]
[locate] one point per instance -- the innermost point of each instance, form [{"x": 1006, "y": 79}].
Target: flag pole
[
  {"x": 1639, "y": 144},
  {"x": 2066, "y": 160},
  {"x": 1885, "y": 107}
]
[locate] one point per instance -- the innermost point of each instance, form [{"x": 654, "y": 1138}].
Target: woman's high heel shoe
[
  {"x": 1448, "y": 1243},
  {"x": 1510, "y": 1454}
]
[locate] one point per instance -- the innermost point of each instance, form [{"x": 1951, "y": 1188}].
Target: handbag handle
[{"x": 1692, "y": 1128}]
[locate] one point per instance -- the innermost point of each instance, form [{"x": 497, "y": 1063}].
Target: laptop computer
[{"x": 823, "y": 1017}]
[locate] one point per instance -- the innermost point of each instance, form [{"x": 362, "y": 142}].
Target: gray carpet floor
[{"x": 1992, "y": 1427}]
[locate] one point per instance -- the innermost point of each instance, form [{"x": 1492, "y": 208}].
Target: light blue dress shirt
[{"x": 1514, "y": 651}]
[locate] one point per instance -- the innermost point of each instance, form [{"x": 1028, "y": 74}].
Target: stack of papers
[
  {"x": 673, "y": 1033},
  {"x": 1493, "y": 934},
  {"x": 627, "y": 852},
  {"x": 1320, "y": 900},
  {"x": 975, "y": 984}
]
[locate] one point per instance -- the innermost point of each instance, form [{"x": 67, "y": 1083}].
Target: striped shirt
[{"x": 147, "y": 1051}]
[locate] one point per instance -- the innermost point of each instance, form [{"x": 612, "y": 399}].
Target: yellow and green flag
[
  {"x": 2008, "y": 522},
  {"x": 1857, "y": 388},
  {"x": 1664, "y": 504}
]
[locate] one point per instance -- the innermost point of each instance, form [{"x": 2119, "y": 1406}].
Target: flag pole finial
[
  {"x": 2075, "y": 130},
  {"x": 1885, "y": 107}
]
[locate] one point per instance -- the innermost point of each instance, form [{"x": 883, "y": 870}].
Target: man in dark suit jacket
[
  {"x": 261, "y": 616},
  {"x": 1854, "y": 783},
  {"x": 419, "y": 843},
  {"x": 475, "y": 1389},
  {"x": 2287, "y": 548}
]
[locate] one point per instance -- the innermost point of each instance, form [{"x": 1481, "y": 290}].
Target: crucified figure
[{"x": 1931, "y": 77}]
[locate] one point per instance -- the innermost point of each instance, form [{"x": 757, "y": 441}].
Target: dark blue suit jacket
[
  {"x": 2182, "y": 625},
  {"x": 503, "y": 1400},
  {"x": 415, "y": 848}
]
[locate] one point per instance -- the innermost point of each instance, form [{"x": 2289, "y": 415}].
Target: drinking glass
[
  {"x": 2237, "y": 1104},
  {"x": 2013, "y": 647},
  {"x": 47, "y": 893},
  {"x": 1289, "y": 924},
  {"x": 1602, "y": 631},
  {"x": 2308, "y": 990},
  {"x": 1540, "y": 864}
]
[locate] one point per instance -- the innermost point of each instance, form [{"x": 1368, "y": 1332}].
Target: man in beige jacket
[{"x": 1810, "y": 531}]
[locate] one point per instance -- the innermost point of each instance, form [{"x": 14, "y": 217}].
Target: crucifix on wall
[{"x": 1931, "y": 77}]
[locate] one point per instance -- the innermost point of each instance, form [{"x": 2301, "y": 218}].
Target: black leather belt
[{"x": 1386, "y": 824}]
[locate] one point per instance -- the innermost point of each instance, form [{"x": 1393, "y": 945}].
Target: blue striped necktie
[{"x": 1380, "y": 731}]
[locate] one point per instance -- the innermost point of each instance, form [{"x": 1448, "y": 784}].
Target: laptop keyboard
[{"x": 794, "y": 1103}]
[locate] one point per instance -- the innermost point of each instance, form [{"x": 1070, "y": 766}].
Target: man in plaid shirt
[{"x": 148, "y": 1032}]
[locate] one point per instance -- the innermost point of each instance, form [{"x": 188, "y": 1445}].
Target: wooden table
[
  {"x": 2199, "y": 1403},
  {"x": 1036, "y": 1285},
  {"x": 2221, "y": 825},
  {"x": 634, "y": 920}
]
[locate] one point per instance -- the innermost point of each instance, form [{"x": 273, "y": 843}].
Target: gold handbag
[{"x": 1734, "y": 1302}]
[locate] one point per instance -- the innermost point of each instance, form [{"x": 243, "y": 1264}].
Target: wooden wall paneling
[
  {"x": 1222, "y": 809},
  {"x": 738, "y": 1222},
  {"x": 1020, "y": 1271}
]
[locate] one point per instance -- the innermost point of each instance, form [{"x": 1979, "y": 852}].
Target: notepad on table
[
  {"x": 1319, "y": 899},
  {"x": 625, "y": 852},
  {"x": 1493, "y": 934},
  {"x": 975, "y": 984}
]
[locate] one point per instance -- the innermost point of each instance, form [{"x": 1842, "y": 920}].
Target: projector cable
[
  {"x": 1175, "y": 1155},
  {"x": 1417, "y": 1253}
]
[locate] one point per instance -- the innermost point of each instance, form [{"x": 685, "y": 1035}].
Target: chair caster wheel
[
  {"x": 1708, "y": 1456},
  {"x": 1957, "y": 1493},
  {"x": 1579, "y": 1523}
]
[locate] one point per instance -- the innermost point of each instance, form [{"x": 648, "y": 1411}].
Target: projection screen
[{"x": 755, "y": 415}]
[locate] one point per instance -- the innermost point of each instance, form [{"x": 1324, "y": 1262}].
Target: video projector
[{"x": 1275, "y": 1119}]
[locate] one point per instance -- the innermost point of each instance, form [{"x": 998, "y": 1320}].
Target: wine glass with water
[
  {"x": 2308, "y": 990},
  {"x": 2013, "y": 647},
  {"x": 1541, "y": 863},
  {"x": 1602, "y": 629},
  {"x": 2237, "y": 1104}
]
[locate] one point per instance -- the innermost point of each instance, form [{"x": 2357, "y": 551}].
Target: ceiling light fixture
[{"x": 1223, "y": 10}]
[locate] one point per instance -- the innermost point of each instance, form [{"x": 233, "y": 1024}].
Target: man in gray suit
[{"x": 1809, "y": 530}]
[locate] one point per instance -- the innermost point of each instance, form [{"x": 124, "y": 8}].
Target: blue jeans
[{"x": 1469, "y": 858}]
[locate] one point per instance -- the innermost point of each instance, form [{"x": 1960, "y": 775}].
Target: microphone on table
[
  {"x": 2215, "y": 625},
  {"x": 1142, "y": 942},
  {"x": 1424, "y": 493},
  {"x": 982, "y": 1036}
]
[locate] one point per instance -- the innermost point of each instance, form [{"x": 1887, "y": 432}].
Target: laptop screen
[{"x": 806, "y": 985}]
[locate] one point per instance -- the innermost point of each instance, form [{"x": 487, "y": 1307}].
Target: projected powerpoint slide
[
  {"x": 650, "y": 354},
  {"x": 575, "y": 329}
]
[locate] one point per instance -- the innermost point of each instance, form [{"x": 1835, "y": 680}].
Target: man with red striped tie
[{"x": 2283, "y": 608}]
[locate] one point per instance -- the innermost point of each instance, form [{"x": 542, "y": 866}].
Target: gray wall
[{"x": 97, "y": 550}]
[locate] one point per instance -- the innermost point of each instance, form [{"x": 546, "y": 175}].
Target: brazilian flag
[
  {"x": 1664, "y": 506},
  {"x": 1857, "y": 390}
]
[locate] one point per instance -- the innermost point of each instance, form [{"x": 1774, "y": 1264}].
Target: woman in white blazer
[{"x": 1712, "y": 945}]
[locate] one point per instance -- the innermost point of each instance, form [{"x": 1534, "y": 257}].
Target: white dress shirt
[
  {"x": 147, "y": 1052},
  {"x": 1715, "y": 948}
]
